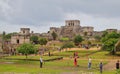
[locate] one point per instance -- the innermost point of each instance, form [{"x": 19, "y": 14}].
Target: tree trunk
[
  {"x": 113, "y": 52},
  {"x": 26, "y": 56}
]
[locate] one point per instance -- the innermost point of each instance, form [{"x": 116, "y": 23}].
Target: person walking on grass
[
  {"x": 117, "y": 64},
  {"x": 41, "y": 62},
  {"x": 75, "y": 62},
  {"x": 89, "y": 63},
  {"x": 101, "y": 67}
]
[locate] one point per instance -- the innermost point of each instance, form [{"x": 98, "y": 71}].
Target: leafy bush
[
  {"x": 78, "y": 39},
  {"x": 68, "y": 45},
  {"x": 64, "y": 39},
  {"x": 26, "y": 49},
  {"x": 43, "y": 41},
  {"x": 34, "y": 39}
]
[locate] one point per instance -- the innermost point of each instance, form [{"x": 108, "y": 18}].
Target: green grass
[
  {"x": 103, "y": 55},
  {"x": 94, "y": 54},
  {"x": 81, "y": 53},
  {"x": 60, "y": 66},
  {"x": 48, "y": 67}
]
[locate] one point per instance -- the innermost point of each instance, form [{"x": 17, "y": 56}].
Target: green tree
[
  {"x": 78, "y": 39},
  {"x": 97, "y": 38},
  {"x": 109, "y": 41},
  {"x": 26, "y": 49},
  {"x": 3, "y": 35},
  {"x": 8, "y": 36},
  {"x": 111, "y": 35},
  {"x": 43, "y": 41},
  {"x": 3, "y": 39},
  {"x": 68, "y": 45},
  {"x": 54, "y": 35},
  {"x": 34, "y": 39}
]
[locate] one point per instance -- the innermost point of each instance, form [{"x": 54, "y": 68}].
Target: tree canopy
[
  {"x": 34, "y": 39},
  {"x": 26, "y": 49},
  {"x": 43, "y": 41},
  {"x": 7, "y": 36},
  {"x": 54, "y": 35},
  {"x": 78, "y": 39},
  {"x": 110, "y": 40},
  {"x": 67, "y": 45},
  {"x": 97, "y": 38}
]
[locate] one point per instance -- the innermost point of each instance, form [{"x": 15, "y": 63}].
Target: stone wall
[
  {"x": 111, "y": 30},
  {"x": 25, "y": 31},
  {"x": 98, "y": 33},
  {"x": 67, "y": 31},
  {"x": 20, "y": 39},
  {"x": 72, "y": 22},
  {"x": 87, "y": 29}
]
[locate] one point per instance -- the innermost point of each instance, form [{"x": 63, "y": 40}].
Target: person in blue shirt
[{"x": 101, "y": 67}]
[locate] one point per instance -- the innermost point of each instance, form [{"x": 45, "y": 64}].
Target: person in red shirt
[{"x": 75, "y": 61}]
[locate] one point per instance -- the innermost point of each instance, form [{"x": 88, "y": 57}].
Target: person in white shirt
[
  {"x": 89, "y": 63},
  {"x": 41, "y": 62}
]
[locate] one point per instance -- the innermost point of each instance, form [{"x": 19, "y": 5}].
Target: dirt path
[
  {"x": 110, "y": 65},
  {"x": 73, "y": 49}
]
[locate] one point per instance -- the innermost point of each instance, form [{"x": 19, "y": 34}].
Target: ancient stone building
[
  {"x": 111, "y": 30},
  {"x": 98, "y": 33},
  {"x": 22, "y": 37},
  {"x": 87, "y": 30},
  {"x": 72, "y": 28},
  {"x": 25, "y": 31}
]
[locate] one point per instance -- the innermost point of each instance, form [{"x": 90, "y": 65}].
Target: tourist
[
  {"x": 117, "y": 65},
  {"x": 89, "y": 63},
  {"x": 41, "y": 62},
  {"x": 101, "y": 67},
  {"x": 75, "y": 61}
]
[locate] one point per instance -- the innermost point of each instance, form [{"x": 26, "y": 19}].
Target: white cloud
[{"x": 39, "y": 15}]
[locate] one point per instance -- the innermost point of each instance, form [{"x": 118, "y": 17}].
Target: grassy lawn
[
  {"x": 94, "y": 54},
  {"x": 60, "y": 66},
  {"x": 81, "y": 53},
  {"x": 53, "y": 67}
]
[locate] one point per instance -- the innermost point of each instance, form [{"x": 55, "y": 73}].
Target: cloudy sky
[{"x": 39, "y": 15}]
